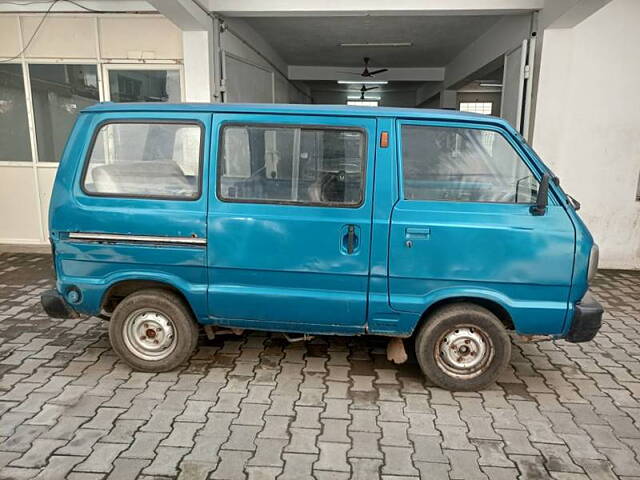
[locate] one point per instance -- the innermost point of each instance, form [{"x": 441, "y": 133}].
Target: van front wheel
[
  {"x": 463, "y": 347},
  {"x": 153, "y": 331}
]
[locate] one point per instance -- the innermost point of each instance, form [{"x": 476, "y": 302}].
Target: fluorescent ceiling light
[
  {"x": 354, "y": 97},
  {"x": 491, "y": 85},
  {"x": 363, "y": 103},
  {"x": 389, "y": 44},
  {"x": 360, "y": 82}
]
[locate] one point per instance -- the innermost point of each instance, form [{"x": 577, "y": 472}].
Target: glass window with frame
[
  {"x": 463, "y": 165},
  {"x": 59, "y": 93},
  {"x": 145, "y": 159},
  {"x": 291, "y": 164},
  {"x": 477, "y": 107},
  {"x": 142, "y": 85},
  {"x": 15, "y": 143}
]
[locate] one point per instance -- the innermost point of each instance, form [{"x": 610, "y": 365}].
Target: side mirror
[
  {"x": 542, "y": 199},
  {"x": 573, "y": 202}
]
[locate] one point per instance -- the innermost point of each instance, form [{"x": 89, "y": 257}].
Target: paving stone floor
[{"x": 258, "y": 407}]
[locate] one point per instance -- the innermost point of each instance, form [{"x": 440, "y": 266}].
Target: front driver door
[
  {"x": 289, "y": 222},
  {"x": 463, "y": 226}
]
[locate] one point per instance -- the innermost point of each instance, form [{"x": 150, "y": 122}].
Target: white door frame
[{"x": 525, "y": 84}]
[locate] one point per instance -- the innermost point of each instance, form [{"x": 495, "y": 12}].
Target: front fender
[{"x": 537, "y": 315}]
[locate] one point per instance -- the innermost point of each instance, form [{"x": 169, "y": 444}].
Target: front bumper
[
  {"x": 587, "y": 320},
  {"x": 56, "y": 306}
]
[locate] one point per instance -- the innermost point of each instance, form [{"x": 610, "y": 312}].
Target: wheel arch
[
  {"x": 120, "y": 289},
  {"x": 491, "y": 304}
]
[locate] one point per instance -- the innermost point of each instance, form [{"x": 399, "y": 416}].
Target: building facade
[{"x": 562, "y": 71}]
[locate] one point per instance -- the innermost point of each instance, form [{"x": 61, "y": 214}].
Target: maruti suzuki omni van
[{"x": 441, "y": 226}]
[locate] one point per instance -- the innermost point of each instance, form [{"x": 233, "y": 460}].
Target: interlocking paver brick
[
  {"x": 268, "y": 453},
  {"x": 427, "y": 449},
  {"x": 16, "y": 473},
  {"x": 123, "y": 431},
  {"x": 182, "y": 435},
  {"x": 333, "y": 457},
  {"x": 193, "y": 470},
  {"x": 275, "y": 427},
  {"x": 262, "y": 473},
  {"x": 22, "y": 438},
  {"x": 303, "y": 440},
  {"x": 297, "y": 466},
  {"x": 232, "y": 465},
  {"x": 58, "y": 467},
  {"x": 364, "y": 421},
  {"x": 166, "y": 461},
  {"x": 127, "y": 469},
  {"x": 501, "y": 473},
  {"x": 455, "y": 438},
  {"x": 38, "y": 454},
  {"x": 464, "y": 465},
  {"x": 195, "y": 411},
  {"x": 397, "y": 461},
  {"x": 82, "y": 442},
  {"x": 365, "y": 445},
  {"x": 242, "y": 438},
  {"x": 102, "y": 458},
  {"x": 251, "y": 414},
  {"x": 334, "y": 430}
]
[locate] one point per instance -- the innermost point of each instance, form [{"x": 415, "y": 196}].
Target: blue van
[{"x": 439, "y": 226}]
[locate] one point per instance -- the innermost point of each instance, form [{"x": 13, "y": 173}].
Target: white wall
[{"x": 587, "y": 125}]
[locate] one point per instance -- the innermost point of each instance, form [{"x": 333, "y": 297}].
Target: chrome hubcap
[
  {"x": 149, "y": 334},
  {"x": 464, "y": 351}
]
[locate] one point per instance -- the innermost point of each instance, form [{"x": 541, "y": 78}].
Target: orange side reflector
[{"x": 384, "y": 139}]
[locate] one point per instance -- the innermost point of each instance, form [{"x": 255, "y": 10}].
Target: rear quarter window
[{"x": 145, "y": 159}]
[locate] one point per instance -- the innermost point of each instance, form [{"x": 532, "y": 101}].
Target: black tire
[
  {"x": 170, "y": 312},
  {"x": 449, "y": 330}
]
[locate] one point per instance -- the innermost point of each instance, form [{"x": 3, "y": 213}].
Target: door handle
[
  {"x": 351, "y": 236},
  {"x": 417, "y": 233},
  {"x": 350, "y": 242}
]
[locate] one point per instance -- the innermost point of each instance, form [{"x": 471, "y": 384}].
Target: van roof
[{"x": 306, "y": 109}]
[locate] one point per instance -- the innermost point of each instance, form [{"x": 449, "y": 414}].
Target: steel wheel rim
[
  {"x": 464, "y": 351},
  {"x": 149, "y": 334}
]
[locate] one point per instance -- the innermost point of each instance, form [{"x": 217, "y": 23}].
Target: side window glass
[
  {"x": 290, "y": 164},
  {"x": 463, "y": 165},
  {"x": 145, "y": 159}
]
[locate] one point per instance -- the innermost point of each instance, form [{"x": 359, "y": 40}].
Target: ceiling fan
[
  {"x": 366, "y": 73},
  {"x": 364, "y": 90}
]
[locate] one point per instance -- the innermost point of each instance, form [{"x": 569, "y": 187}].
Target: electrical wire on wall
[
  {"x": 72, "y": 2},
  {"x": 35, "y": 32},
  {"x": 51, "y": 3}
]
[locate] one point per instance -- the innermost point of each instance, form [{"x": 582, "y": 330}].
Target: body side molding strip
[{"x": 114, "y": 238}]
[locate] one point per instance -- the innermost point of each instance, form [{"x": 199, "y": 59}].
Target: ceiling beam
[
  {"x": 187, "y": 15},
  {"x": 568, "y": 13},
  {"x": 302, "y": 72},
  {"x": 254, "y": 8}
]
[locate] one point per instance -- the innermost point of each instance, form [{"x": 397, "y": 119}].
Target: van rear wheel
[
  {"x": 463, "y": 347},
  {"x": 153, "y": 331}
]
